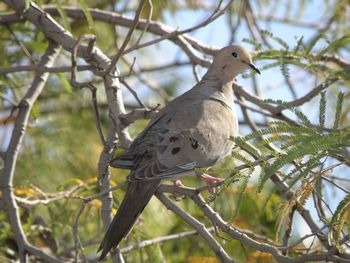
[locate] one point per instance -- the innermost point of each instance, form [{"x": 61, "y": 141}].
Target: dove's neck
[
  {"x": 218, "y": 83},
  {"x": 219, "y": 76},
  {"x": 216, "y": 90}
]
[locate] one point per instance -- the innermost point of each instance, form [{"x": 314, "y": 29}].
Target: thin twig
[
  {"x": 91, "y": 40},
  {"x": 148, "y": 21},
  {"x": 127, "y": 38},
  {"x": 9, "y": 100},
  {"x": 195, "y": 72},
  {"x": 336, "y": 184},
  {"x": 216, "y": 14},
  {"x": 41, "y": 69},
  {"x": 288, "y": 231},
  {"x": 51, "y": 197},
  {"x": 138, "y": 114},
  {"x": 151, "y": 42},
  {"x": 160, "y": 92},
  {"x": 158, "y": 240},
  {"x": 133, "y": 92},
  {"x": 20, "y": 43},
  {"x": 78, "y": 245}
]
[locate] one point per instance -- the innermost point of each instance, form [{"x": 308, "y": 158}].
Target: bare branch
[
  {"x": 21, "y": 123},
  {"x": 127, "y": 38},
  {"x": 50, "y": 197},
  {"x": 150, "y": 13},
  {"x": 162, "y": 239},
  {"x": 200, "y": 228},
  {"x": 314, "y": 92},
  {"x": 215, "y": 217},
  {"x": 40, "y": 69},
  {"x": 138, "y": 114},
  {"x": 337, "y": 60}
]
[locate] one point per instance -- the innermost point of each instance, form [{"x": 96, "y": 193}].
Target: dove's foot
[
  {"x": 210, "y": 181},
  {"x": 177, "y": 183}
]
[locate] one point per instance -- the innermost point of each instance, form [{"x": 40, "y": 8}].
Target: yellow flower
[
  {"x": 27, "y": 192},
  {"x": 260, "y": 257},
  {"x": 96, "y": 203},
  {"x": 92, "y": 180},
  {"x": 202, "y": 260}
]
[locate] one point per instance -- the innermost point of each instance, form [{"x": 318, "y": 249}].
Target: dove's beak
[{"x": 253, "y": 67}]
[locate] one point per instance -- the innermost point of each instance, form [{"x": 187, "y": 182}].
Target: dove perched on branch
[{"x": 192, "y": 131}]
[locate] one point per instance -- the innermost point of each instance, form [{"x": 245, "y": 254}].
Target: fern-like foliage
[
  {"x": 304, "y": 146},
  {"x": 338, "y": 221},
  {"x": 297, "y": 153}
]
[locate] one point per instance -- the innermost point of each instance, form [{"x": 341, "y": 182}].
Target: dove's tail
[
  {"x": 123, "y": 162},
  {"x": 137, "y": 196}
]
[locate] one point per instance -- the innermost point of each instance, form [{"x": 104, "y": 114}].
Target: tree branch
[
  {"x": 200, "y": 228},
  {"x": 12, "y": 152}
]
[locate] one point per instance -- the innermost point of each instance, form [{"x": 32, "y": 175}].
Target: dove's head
[{"x": 231, "y": 61}]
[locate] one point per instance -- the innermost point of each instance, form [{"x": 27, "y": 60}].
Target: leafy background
[{"x": 62, "y": 146}]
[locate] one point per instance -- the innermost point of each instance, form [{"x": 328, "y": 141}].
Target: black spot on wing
[
  {"x": 163, "y": 131},
  {"x": 175, "y": 150},
  {"x": 194, "y": 143},
  {"x": 168, "y": 121},
  {"x": 160, "y": 138},
  {"x": 173, "y": 139}
]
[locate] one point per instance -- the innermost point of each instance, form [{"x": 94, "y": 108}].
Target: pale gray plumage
[{"x": 192, "y": 131}]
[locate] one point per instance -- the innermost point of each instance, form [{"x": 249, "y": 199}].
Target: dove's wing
[{"x": 197, "y": 134}]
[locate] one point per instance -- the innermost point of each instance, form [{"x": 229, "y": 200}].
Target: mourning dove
[{"x": 192, "y": 131}]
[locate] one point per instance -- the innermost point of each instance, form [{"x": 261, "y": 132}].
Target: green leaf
[
  {"x": 340, "y": 209},
  {"x": 279, "y": 127},
  {"x": 35, "y": 111},
  {"x": 85, "y": 7},
  {"x": 313, "y": 43},
  {"x": 304, "y": 119},
  {"x": 338, "y": 220},
  {"x": 338, "y": 110},
  {"x": 334, "y": 45},
  {"x": 64, "y": 82},
  {"x": 316, "y": 144},
  {"x": 246, "y": 146},
  {"x": 241, "y": 189},
  {"x": 322, "y": 114},
  {"x": 277, "y": 39},
  {"x": 240, "y": 157},
  {"x": 300, "y": 44},
  {"x": 63, "y": 15},
  {"x": 253, "y": 42},
  {"x": 37, "y": 46},
  {"x": 284, "y": 67},
  {"x": 234, "y": 176}
]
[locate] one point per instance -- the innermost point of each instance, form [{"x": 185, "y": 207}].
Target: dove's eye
[{"x": 234, "y": 54}]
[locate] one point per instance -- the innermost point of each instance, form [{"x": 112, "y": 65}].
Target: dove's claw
[
  {"x": 210, "y": 181},
  {"x": 177, "y": 183}
]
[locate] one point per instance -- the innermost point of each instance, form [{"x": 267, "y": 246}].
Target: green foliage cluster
[{"x": 298, "y": 154}]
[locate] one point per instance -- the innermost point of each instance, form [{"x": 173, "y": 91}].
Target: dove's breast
[{"x": 209, "y": 126}]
